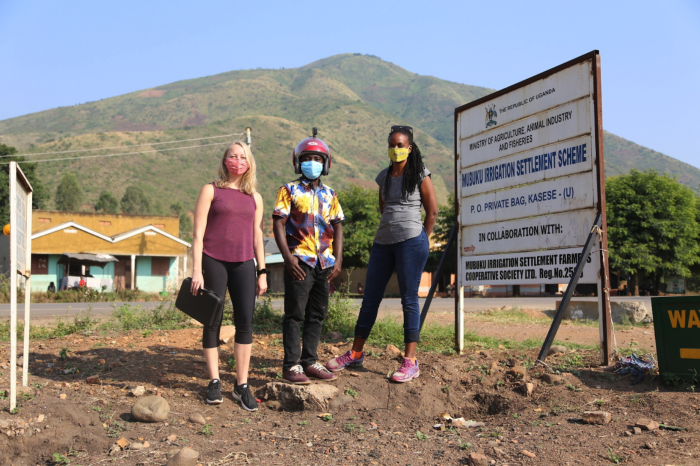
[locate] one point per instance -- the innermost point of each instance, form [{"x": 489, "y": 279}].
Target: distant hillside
[{"x": 352, "y": 98}]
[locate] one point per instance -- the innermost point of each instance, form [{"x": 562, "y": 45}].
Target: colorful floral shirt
[{"x": 310, "y": 216}]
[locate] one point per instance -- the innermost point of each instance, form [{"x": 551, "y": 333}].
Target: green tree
[
  {"x": 361, "y": 209},
  {"x": 177, "y": 208},
  {"x": 441, "y": 233},
  {"x": 135, "y": 201},
  {"x": 69, "y": 194},
  {"x": 40, "y": 194},
  {"x": 185, "y": 221},
  {"x": 652, "y": 226},
  {"x": 107, "y": 203}
]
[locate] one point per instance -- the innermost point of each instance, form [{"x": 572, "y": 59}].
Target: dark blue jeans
[{"x": 408, "y": 259}]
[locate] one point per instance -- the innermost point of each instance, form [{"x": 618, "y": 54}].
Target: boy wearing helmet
[{"x": 306, "y": 223}]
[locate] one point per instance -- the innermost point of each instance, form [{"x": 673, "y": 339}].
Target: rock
[
  {"x": 335, "y": 351},
  {"x": 185, "y": 457},
  {"x": 226, "y": 333},
  {"x": 339, "y": 402},
  {"x": 20, "y": 361},
  {"x": 122, "y": 442},
  {"x": 63, "y": 396},
  {"x": 392, "y": 350},
  {"x": 40, "y": 418},
  {"x": 297, "y": 397},
  {"x": 477, "y": 459},
  {"x": 636, "y": 430},
  {"x": 596, "y": 417},
  {"x": 527, "y": 388},
  {"x": 647, "y": 424},
  {"x": 635, "y": 311},
  {"x": 171, "y": 438},
  {"x": 172, "y": 452},
  {"x": 498, "y": 451},
  {"x": 552, "y": 379},
  {"x": 519, "y": 372},
  {"x": 95, "y": 379},
  {"x": 138, "y": 391},
  {"x": 137, "y": 446},
  {"x": 557, "y": 349},
  {"x": 528, "y": 454},
  {"x": 150, "y": 409},
  {"x": 334, "y": 336},
  {"x": 197, "y": 419},
  {"x": 114, "y": 449},
  {"x": 650, "y": 445},
  {"x": 460, "y": 422}
]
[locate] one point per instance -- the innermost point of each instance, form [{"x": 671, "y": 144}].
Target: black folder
[{"x": 205, "y": 307}]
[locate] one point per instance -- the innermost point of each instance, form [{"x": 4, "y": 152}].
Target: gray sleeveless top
[{"x": 401, "y": 219}]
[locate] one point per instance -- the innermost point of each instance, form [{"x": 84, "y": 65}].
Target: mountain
[{"x": 351, "y": 98}]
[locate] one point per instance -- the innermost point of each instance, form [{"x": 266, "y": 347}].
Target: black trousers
[
  {"x": 239, "y": 277},
  {"x": 304, "y": 301}
]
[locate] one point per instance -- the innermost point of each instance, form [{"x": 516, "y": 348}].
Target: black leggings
[{"x": 240, "y": 279}]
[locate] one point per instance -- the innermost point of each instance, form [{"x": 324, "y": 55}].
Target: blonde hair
[{"x": 249, "y": 181}]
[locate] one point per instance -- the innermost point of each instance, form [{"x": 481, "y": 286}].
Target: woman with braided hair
[{"x": 400, "y": 245}]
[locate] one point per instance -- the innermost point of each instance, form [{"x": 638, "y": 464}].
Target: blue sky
[{"x": 64, "y": 53}]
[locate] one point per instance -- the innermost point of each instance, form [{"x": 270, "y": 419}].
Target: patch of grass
[
  {"x": 446, "y": 389},
  {"x": 420, "y": 435},
  {"x": 574, "y": 388},
  {"x": 207, "y": 430},
  {"x": 351, "y": 392},
  {"x": 265, "y": 318},
  {"x": 165, "y": 316},
  {"x": 463, "y": 446},
  {"x": 60, "y": 459},
  {"x": 303, "y": 423},
  {"x": 614, "y": 458},
  {"x": 231, "y": 363}
]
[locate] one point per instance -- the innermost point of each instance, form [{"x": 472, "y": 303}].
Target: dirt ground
[{"x": 384, "y": 424}]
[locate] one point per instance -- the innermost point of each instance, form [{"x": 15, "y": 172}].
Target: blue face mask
[{"x": 311, "y": 170}]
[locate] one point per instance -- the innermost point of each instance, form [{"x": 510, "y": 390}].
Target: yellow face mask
[{"x": 398, "y": 154}]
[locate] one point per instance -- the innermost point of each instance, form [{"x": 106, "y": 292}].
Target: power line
[
  {"x": 114, "y": 155},
  {"x": 119, "y": 147}
]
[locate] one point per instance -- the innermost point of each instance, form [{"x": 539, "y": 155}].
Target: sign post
[
  {"x": 530, "y": 183},
  {"x": 20, "y": 266},
  {"x": 677, "y": 332}
]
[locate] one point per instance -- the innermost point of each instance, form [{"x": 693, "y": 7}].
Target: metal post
[
  {"x": 13, "y": 286},
  {"x": 459, "y": 321},
  {"x": 133, "y": 272},
  {"x": 27, "y": 291},
  {"x": 429, "y": 299},
  {"x": 570, "y": 289}
]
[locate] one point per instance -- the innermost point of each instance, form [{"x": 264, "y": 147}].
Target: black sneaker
[
  {"x": 214, "y": 392},
  {"x": 242, "y": 394}
]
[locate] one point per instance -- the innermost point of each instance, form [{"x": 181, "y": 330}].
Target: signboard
[
  {"x": 20, "y": 261},
  {"x": 677, "y": 332},
  {"x": 529, "y": 181}
]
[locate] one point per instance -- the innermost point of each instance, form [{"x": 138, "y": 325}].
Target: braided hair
[{"x": 413, "y": 172}]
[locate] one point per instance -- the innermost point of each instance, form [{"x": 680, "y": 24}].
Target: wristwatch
[{"x": 262, "y": 271}]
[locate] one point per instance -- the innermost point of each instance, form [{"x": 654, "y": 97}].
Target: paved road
[{"x": 49, "y": 311}]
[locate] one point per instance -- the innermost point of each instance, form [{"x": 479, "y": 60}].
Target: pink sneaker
[
  {"x": 407, "y": 372},
  {"x": 344, "y": 360}
]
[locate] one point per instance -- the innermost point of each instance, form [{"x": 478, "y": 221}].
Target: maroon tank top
[{"x": 229, "y": 233}]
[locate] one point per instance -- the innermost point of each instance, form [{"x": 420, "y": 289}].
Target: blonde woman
[{"x": 227, "y": 235}]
